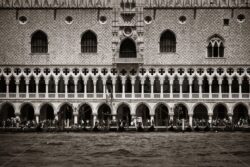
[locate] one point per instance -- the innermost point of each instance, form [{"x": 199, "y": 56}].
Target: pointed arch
[
  {"x": 39, "y": 42},
  {"x": 128, "y": 48},
  {"x": 168, "y": 41},
  {"x": 89, "y": 42}
]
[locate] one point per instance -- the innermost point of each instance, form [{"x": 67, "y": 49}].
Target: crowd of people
[{"x": 15, "y": 122}]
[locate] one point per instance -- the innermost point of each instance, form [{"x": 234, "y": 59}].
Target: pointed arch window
[
  {"x": 215, "y": 47},
  {"x": 39, "y": 42},
  {"x": 89, "y": 42},
  {"x": 128, "y": 49},
  {"x": 168, "y": 42}
]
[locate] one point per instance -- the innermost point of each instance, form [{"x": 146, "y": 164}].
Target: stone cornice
[{"x": 179, "y": 4}]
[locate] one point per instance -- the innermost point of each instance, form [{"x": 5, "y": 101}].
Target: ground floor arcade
[{"x": 124, "y": 114}]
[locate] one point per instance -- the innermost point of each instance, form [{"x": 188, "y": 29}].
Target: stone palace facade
[{"x": 89, "y": 61}]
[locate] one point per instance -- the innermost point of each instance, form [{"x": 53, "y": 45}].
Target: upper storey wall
[
  {"x": 193, "y": 36},
  {"x": 64, "y": 40}
]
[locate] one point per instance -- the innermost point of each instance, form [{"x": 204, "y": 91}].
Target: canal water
[{"x": 125, "y": 149}]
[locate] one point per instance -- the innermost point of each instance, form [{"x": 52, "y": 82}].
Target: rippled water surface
[{"x": 125, "y": 149}]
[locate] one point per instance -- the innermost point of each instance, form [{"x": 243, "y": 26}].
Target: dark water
[{"x": 125, "y": 149}]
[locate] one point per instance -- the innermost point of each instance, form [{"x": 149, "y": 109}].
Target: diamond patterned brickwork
[{"x": 64, "y": 39}]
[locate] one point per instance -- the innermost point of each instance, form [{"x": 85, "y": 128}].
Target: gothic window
[
  {"x": 128, "y": 49},
  {"x": 168, "y": 42},
  {"x": 39, "y": 42},
  {"x": 89, "y": 42},
  {"x": 215, "y": 47}
]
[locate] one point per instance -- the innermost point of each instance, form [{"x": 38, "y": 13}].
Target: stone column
[
  {"x": 142, "y": 87},
  {"x": 200, "y": 87},
  {"x": 210, "y": 87},
  {"x": 37, "y": 118},
  {"x": 152, "y": 120},
  {"x": 17, "y": 87},
  {"x": 66, "y": 87},
  {"x": 191, "y": 120},
  {"x": 27, "y": 87},
  {"x": 75, "y": 83},
  {"x": 123, "y": 86},
  {"x": 75, "y": 118},
  {"x": 94, "y": 82},
  {"x": 161, "y": 82},
  {"x": 133, "y": 86},
  {"x": 47, "y": 88},
  {"x": 56, "y": 88},
  {"x": 152, "y": 87},
  {"x": 94, "y": 120},
  {"x": 210, "y": 116},
  {"x": 113, "y": 84},
  {"x": 190, "y": 82},
  {"x": 37, "y": 87},
  {"x": 171, "y": 81},
  {"x": 181, "y": 83},
  {"x": 104, "y": 88},
  {"x": 85, "y": 88},
  {"x": 230, "y": 87},
  {"x": 240, "y": 87},
  {"x": 171, "y": 115},
  {"x": 7, "y": 88},
  {"x": 133, "y": 116},
  {"x": 220, "y": 83}
]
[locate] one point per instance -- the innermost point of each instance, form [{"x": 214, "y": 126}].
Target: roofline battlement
[{"x": 162, "y": 4}]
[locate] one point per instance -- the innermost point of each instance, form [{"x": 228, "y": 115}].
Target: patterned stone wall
[{"x": 64, "y": 39}]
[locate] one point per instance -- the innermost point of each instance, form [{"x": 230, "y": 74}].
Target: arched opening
[
  {"x": 118, "y": 85},
  {"x": 166, "y": 85},
  {"x": 157, "y": 85},
  {"x": 85, "y": 115},
  {"x": 61, "y": 85},
  {"x": 89, "y": 42},
  {"x": 80, "y": 85},
  {"x": 104, "y": 115},
  {"x": 137, "y": 85},
  {"x": 147, "y": 85},
  {"x": 128, "y": 49},
  {"x": 123, "y": 115},
  {"x": 235, "y": 85},
  {"x": 205, "y": 85},
  {"x": 39, "y": 42},
  {"x": 6, "y": 113},
  {"x": 225, "y": 85},
  {"x": 176, "y": 85},
  {"x": 195, "y": 85},
  {"x": 22, "y": 85},
  {"x": 168, "y": 42},
  {"x": 32, "y": 85},
  {"x": 215, "y": 85},
  {"x": 185, "y": 85},
  {"x": 2, "y": 85},
  {"x": 12, "y": 85},
  {"x": 240, "y": 115},
  {"x": 42, "y": 87},
  {"x": 220, "y": 112},
  {"x": 99, "y": 85},
  {"x": 180, "y": 112},
  {"x": 65, "y": 115},
  {"x": 90, "y": 85},
  {"x": 47, "y": 113},
  {"x": 161, "y": 115},
  {"x": 71, "y": 85},
  {"x": 128, "y": 85},
  {"x": 200, "y": 115},
  {"x": 245, "y": 85},
  {"x": 27, "y": 113},
  {"x": 52, "y": 85},
  {"x": 142, "y": 114}
]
